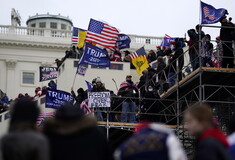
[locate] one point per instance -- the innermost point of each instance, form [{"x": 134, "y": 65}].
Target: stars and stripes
[
  {"x": 102, "y": 34},
  {"x": 85, "y": 107},
  {"x": 75, "y": 36},
  {"x": 137, "y": 53},
  {"x": 44, "y": 115}
]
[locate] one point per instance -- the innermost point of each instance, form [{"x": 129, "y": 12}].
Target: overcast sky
[{"x": 141, "y": 17}]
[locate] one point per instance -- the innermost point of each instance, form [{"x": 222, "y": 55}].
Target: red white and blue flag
[
  {"x": 75, "y": 36},
  {"x": 102, "y": 34}
]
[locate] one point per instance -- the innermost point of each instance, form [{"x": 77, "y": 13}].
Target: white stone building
[{"x": 46, "y": 37}]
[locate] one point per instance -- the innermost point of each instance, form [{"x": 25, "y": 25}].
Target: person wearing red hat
[{"x": 38, "y": 92}]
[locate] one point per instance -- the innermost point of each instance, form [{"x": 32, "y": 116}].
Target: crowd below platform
[{"x": 72, "y": 134}]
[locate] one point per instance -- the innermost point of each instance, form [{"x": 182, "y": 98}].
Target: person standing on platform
[
  {"x": 226, "y": 38},
  {"x": 98, "y": 87},
  {"x": 129, "y": 92},
  {"x": 211, "y": 143}
]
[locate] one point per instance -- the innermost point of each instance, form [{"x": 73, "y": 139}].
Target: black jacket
[
  {"x": 131, "y": 91},
  {"x": 178, "y": 55},
  {"x": 78, "y": 141},
  {"x": 226, "y": 33},
  {"x": 211, "y": 149}
]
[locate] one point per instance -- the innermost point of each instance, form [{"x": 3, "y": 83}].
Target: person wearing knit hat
[
  {"x": 71, "y": 134},
  {"x": 24, "y": 142}
]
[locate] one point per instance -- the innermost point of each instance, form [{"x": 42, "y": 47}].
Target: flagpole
[
  {"x": 75, "y": 77},
  {"x": 200, "y": 46}
]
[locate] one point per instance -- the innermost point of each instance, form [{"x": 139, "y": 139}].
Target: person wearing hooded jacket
[
  {"x": 73, "y": 135},
  {"x": 177, "y": 56},
  {"x": 80, "y": 97},
  {"x": 23, "y": 140},
  {"x": 211, "y": 143},
  {"x": 129, "y": 92},
  {"x": 227, "y": 37}
]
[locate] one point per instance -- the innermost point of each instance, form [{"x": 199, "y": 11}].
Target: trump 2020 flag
[
  {"x": 56, "y": 98},
  {"x": 166, "y": 41},
  {"x": 139, "y": 60},
  {"x": 95, "y": 56},
  {"x": 210, "y": 14},
  {"x": 123, "y": 41}
]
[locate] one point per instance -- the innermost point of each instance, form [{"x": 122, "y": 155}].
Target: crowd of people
[{"x": 72, "y": 134}]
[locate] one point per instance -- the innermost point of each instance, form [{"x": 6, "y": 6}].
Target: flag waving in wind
[
  {"x": 102, "y": 34},
  {"x": 75, "y": 36},
  {"x": 210, "y": 14},
  {"x": 166, "y": 41},
  {"x": 139, "y": 60}
]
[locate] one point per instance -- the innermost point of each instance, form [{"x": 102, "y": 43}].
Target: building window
[
  {"x": 116, "y": 66},
  {"x": 28, "y": 78},
  {"x": 33, "y": 25},
  {"x": 42, "y": 25},
  {"x": 63, "y": 26},
  {"x": 147, "y": 41},
  {"x": 53, "y": 25}
]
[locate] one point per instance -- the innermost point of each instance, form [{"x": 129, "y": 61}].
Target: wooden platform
[
  {"x": 127, "y": 125},
  {"x": 195, "y": 74}
]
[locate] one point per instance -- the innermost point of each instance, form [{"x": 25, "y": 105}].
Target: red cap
[
  {"x": 164, "y": 47},
  {"x": 159, "y": 47}
]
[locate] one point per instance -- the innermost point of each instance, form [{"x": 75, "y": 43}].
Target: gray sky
[{"x": 142, "y": 17}]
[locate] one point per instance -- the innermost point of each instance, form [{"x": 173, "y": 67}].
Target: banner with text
[
  {"x": 123, "y": 41},
  {"x": 95, "y": 56},
  {"x": 48, "y": 73},
  {"x": 54, "y": 99},
  {"x": 81, "y": 70},
  {"x": 98, "y": 99}
]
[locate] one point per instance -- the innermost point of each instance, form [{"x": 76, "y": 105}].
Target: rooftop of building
[{"x": 49, "y": 16}]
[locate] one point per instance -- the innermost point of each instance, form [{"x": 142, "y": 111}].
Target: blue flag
[
  {"x": 95, "y": 56},
  {"x": 89, "y": 85},
  {"x": 56, "y": 98},
  {"x": 166, "y": 41},
  {"x": 210, "y": 14},
  {"x": 123, "y": 41}
]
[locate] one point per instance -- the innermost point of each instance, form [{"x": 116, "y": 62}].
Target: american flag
[
  {"x": 102, "y": 34},
  {"x": 137, "y": 53},
  {"x": 75, "y": 36},
  {"x": 44, "y": 115},
  {"x": 85, "y": 107},
  {"x": 207, "y": 13}
]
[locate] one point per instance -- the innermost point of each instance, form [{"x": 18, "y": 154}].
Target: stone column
[{"x": 11, "y": 78}]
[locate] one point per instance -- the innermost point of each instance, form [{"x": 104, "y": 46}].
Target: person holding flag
[{"x": 139, "y": 60}]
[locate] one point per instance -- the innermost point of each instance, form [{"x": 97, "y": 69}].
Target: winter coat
[
  {"x": 178, "y": 55},
  {"x": 161, "y": 66},
  {"x": 152, "y": 57},
  {"x": 79, "y": 98},
  {"x": 24, "y": 145},
  {"x": 212, "y": 145},
  {"x": 131, "y": 92},
  {"x": 226, "y": 33},
  {"x": 151, "y": 142},
  {"x": 81, "y": 140}
]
